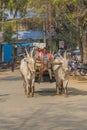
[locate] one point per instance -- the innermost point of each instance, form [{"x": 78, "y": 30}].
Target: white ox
[
  {"x": 27, "y": 69},
  {"x": 61, "y": 72}
]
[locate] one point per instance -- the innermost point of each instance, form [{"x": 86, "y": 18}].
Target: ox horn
[
  {"x": 61, "y": 56},
  {"x": 65, "y": 55},
  {"x": 27, "y": 52},
  {"x": 31, "y": 53}
]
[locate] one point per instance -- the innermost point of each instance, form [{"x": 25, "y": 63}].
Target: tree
[
  {"x": 75, "y": 12},
  {"x": 68, "y": 18},
  {"x": 8, "y": 32}
]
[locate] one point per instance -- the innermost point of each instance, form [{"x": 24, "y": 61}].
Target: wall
[{"x": 7, "y": 52}]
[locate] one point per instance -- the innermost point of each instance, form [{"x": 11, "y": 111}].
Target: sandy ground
[{"x": 45, "y": 111}]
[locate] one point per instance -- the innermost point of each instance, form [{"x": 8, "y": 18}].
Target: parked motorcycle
[
  {"x": 4, "y": 66},
  {"x": 82, "y": 69},
  {"x": 73, "y": 66}
]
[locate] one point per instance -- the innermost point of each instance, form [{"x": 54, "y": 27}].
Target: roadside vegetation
[{"x": 66, "y": 20}]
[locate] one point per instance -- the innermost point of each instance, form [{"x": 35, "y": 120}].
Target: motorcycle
[
  {"x": 82, "y": 69},
  {"x": 4, "y": 66},
  {"x": 73, "y": 67}
]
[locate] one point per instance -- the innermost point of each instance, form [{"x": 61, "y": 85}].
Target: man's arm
[{"x": 57, "y": 63}]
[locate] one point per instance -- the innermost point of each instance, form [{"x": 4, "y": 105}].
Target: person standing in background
[{"x": 12, "y": 61}]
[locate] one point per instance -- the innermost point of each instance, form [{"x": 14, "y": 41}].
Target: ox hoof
[
  {"x": 58, "y": 93},
  {"x": 32, "y": 95},
  {"x": 28, "y": 96},
  {"x": 25, "y": 93},
  {"x": 66, "y": 95}
]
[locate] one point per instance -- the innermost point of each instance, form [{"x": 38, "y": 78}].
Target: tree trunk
[
  {"x": 49, "y": 25},
  {"x": 84, "y": 44}
]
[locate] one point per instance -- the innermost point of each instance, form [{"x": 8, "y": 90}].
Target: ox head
[
  {"x": 30, "y": 54},
  {"x": 30, "y": 63},
  {"x": 65, "y": 62},
  {"x": 65, "y": 65}
]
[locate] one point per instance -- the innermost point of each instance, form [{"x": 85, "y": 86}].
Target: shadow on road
[
  {"x": 46, "y": 92},
  {"x": 4, "y": 97},
  {"x": 11, "y": 78},
  {"x": 74, "y": 92},
  {"x": 45, "y": 79},
  {"x": 52, "y": 92}
]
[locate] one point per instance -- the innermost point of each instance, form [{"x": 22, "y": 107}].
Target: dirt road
[{"x": 45, "y": 111}]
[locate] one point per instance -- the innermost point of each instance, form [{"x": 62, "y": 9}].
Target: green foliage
[
  {"x": 0, "y": 26},
  {"x": 8, "y": 31},
  {"x": 71, "y": 13}
]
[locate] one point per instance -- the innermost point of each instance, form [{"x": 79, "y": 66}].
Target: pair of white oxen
[{"x": 61, "y": 72}]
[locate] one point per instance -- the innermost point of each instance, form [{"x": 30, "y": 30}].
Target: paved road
[{"x": 45, "y": 111}]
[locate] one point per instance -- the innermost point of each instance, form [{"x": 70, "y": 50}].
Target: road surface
[{"x": 46, "y": 110}]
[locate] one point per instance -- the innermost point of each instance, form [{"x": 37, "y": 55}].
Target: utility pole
[
  {"x": 49, "y": 24},
  {"x": 2, "y": 7},
  {"x": 44, "y": 21},
  {"x": 44, "y": 30},
  {"x": 47, "y": 21},
  {"x": 2, "y": 23},
  {"x": 17, "y": 29},
  {"x": 3, "y": 19},
  {"x": 2, "y": 29}
]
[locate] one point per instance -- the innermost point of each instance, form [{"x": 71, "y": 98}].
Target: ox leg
[
  {"x": 50, "y": 74},
  {"x": 61, "y": 87},
  {"x": 57, "y": 89},
  {"x": 33, "y": 88},
  {"x": 24, "y": 83},
  {"x": 57, "y": 84},
  {"x": 41, "y": 73},
  {"x": 28, "y": 90},
  {"x": 27, "y": 87},
  {"x": 25, "y": 90},
  {"x": 66, "y": 92},
  {"x": 33, "y": 91},
  {"x": 65, "y": 87}
]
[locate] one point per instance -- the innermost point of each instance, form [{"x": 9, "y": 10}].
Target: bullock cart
[{"x": 46, "y": 68}]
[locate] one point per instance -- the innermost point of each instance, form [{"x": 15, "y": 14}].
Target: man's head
[{"x": 45, "y": 50}]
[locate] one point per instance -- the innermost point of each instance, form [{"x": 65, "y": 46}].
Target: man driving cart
[{"x": 44, "y": 59}]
